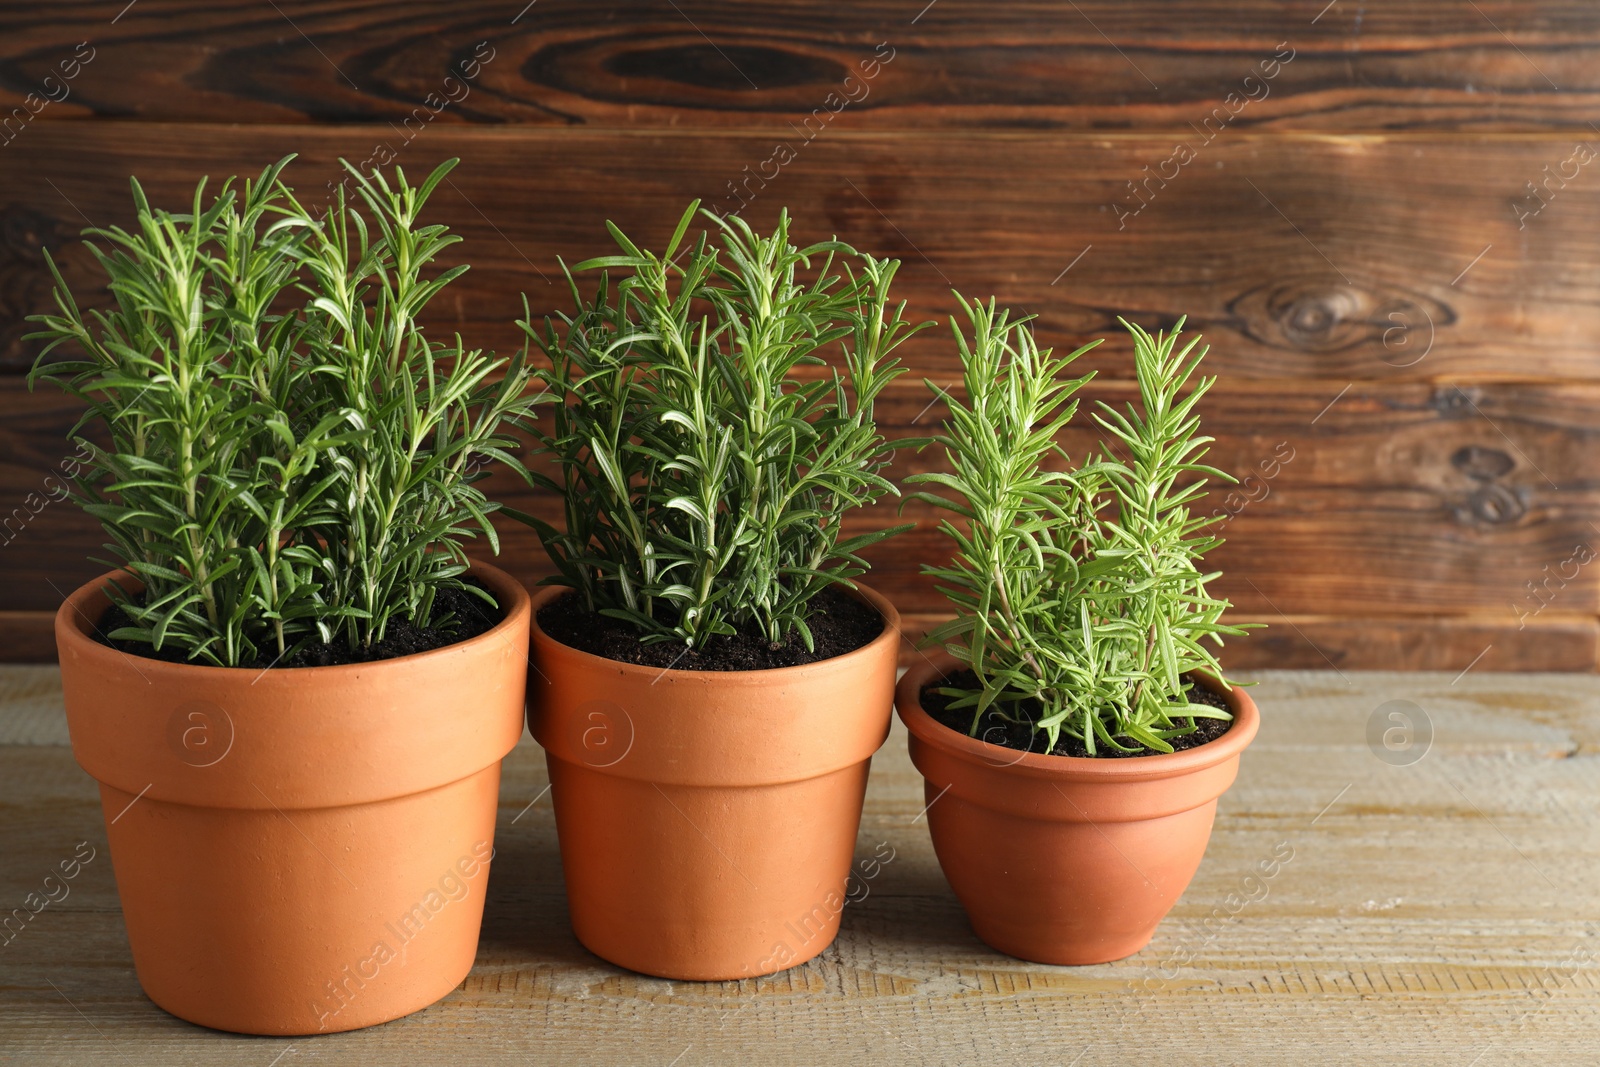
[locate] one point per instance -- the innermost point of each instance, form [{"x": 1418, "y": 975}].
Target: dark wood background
[{"x": 1388, "y": 299}]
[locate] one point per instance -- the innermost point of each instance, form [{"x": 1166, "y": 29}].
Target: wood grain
[
  {"x": 27, "y": 637},
  {"x": 1383, "y": 258},
  {"x": 1552, "y": 641},
  {"x": 1390, "y": 250},
  {"x": 1396, "y": 501},
  {"x": 1438, "y": 911},
  {"x": 1024, "y": 64}
]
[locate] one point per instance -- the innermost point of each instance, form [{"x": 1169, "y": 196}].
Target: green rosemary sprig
[
  {"x": 705, "y": 473},
  {"x": 1079, "y": 603},
  {"x": 278, "y": 471}
]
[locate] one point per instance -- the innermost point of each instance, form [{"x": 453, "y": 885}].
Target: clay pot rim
[
  {"x": 908, "y": 705},
  {"x": 73, "y": 626},
  {"x": 764, "y": 677}
]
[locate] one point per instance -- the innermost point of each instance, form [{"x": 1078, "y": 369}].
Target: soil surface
[
  {"x": 839, "y": 623},
  {"x": 471, "y": 617},
  {"x": 998, "y": 731}
]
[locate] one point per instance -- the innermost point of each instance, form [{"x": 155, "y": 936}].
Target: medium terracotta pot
[
  {"x": 708, "y": 819},
  {"x": 298, "y": 850},
  {"x": 1063, "y": 859}
]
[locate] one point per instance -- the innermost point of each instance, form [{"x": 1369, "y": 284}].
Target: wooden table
[{"x": 1441, "y": 910}]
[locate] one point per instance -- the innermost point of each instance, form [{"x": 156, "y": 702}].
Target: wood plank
[
  {"x": 1551, "y": 641},
  {"x": 27, "y": 637},
  {"x": 1384, "y": 499},
  {"x": 1342, "y": 259},
  {"x": 1478, "y": 643},
  {"x": 1025, "y": 64},
  {"x": 1443, "y": 487},
  {"x": 1390, "y": 500},
  {"x": 1443, "y": 910},
  {"x": 1325, "y": 552}
]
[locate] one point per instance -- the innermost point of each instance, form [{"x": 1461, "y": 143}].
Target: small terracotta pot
[
  {"x": 708, "y": 819},
  {"x": 298, "y": 850},
  {"x": 1063, "y": 859}
]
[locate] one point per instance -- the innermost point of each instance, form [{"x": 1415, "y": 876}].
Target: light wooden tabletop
[{"x": 1436, "y": 910}]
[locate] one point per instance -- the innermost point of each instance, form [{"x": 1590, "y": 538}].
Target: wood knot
[
  {"x": 1480, "y": 463},
  {"x": 1495, "y": 505},
  {"x": 1454, "y": 401},
  {"x": 1491, "y": 502},
  {"x": 1317, "y": 320},
  {"x": 1311, "y": 315}
]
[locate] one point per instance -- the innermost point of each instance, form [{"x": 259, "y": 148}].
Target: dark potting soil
[
  {"x": 996, "y": 730},
  {"x": 472, "y": 617},
  {"x": 839, "y": 623}
]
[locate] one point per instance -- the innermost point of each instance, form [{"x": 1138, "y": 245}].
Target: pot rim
[
  {"x": 908, "y": 705},
  {"x": 891, "y": 634},
  {"x": 73, "y": 626}
]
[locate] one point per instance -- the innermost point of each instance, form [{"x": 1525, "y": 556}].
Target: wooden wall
[{"x": 1383, "y": 217}]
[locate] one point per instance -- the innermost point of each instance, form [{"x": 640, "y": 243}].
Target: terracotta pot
[
  {"x": 1063, "y": 859},
  {"x": 708, "y": 819},
  {"x": 298, "y": 850}
]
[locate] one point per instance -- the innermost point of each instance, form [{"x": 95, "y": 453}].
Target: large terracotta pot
[
  {"x": 298, "y": 850},
  {"x": 1061, "y": 859},
  {"x": 708, "y": 819}
]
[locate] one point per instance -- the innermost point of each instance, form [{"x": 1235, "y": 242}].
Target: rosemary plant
[
  {"x": 706, "y": 451},
  {"x": 390, "y": 534},
  {"x": 1080, "y": 605},
  {"x": 290, "y": 460}
]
